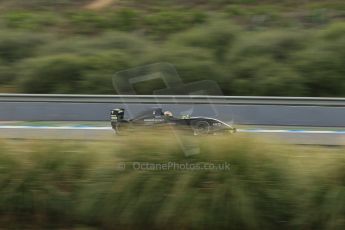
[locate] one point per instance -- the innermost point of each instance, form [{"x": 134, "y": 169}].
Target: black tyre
[{"x": 201, "y": 127}]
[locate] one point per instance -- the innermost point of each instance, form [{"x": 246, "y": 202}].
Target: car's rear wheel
[
  {"x": 121, "y": 128},
  {"x": 201, "y": 127}
]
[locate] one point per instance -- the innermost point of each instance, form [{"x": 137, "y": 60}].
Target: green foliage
[
  {"x": 156, "y": 23},
  {"x": 335, "y": 31},
  {"x": 235, "y": 43},
  {"x": 278, "y": 45},
  {"x": 217, "y": 37},
  {"x": 125, "y": 20},
  {"x": 167, "y": 22},
  {"x": 263, "y": 76},
  {"x": 112, "y": 41},
  {"x": 16, "y": 46},
  {"x": 54, "y": 185},
  {"x": 40, "y": 188},
  {"x": 192, "y": 63},
  {"x": 236, "y": 10},
  {"x": 264, "y": 65},
  {"x": 323, "y": 68},
  {"x": 43, "y": 4},
  {"x": 7, "y": 74},
  {"x": 56, "y": 74},
  {"x": 99, "y": 71},
  {"x": 88, "y": 22},
  {"x": 29, "y": 20},
  {"x": 72, "y": 73}
]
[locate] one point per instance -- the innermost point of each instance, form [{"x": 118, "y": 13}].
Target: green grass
[{"x": 79, "y": 184}]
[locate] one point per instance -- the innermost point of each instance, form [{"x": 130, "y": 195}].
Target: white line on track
[
  {"x": 56, "y": 127},
  {"x": 109, "y": 128},
  {"x": 290, "y": 131}
]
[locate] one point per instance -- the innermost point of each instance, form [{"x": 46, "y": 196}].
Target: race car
[{"x": 155, "y": 117}]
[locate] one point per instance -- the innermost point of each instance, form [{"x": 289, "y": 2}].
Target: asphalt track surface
[{"x": 96, "y": 133}]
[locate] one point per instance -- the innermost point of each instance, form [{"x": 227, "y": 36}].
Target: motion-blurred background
[{"x": 250, "y": 47}]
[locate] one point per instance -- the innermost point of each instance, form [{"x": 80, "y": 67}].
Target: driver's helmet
[{"x": 168, "y": 114}]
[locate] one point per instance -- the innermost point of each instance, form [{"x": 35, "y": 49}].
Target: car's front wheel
[{"x": 201, "y": 127}]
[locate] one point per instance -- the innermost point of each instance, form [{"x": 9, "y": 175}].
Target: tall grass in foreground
[{"x": 97, "y": 185}]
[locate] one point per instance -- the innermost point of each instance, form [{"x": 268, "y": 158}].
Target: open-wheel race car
[{"x": 155, "y": 117}]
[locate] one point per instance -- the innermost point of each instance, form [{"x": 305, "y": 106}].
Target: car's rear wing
[{"x": 117, "y": 115}]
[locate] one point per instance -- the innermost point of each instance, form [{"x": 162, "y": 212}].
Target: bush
[
  {"x": 101, "y": 69},
  {"x": 219, "y": 37},
  {"x": 7, "y": 74},
  {"x": 16, "y": 46},
  {"x": 56, "y": 74},
  {"x": 111, "y": 41},
  {"x": 87, "y": 22},
  {"x": 333, "y": 32},
  {"x": 41, "y": 187},
  {"x": 29, "y": 20},
  {"x": 42, "y": 4},
  {"x": 323, "y": 69},
  {"x": 201, "y": 44},
  {"x": 124, "y": 20},
  {"x": 192, "y": 63},
  {"x": 278, "y": 45},
  {"x": 263, "y": 64},
  {"x": 164, "y": 23},
  {"x": 71, "y": 73},
  {"x": 321, "y": 63},
  {"x": 264, "y": 77}
]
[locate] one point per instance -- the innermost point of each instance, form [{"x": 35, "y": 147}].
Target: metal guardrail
[
  {"x": 293, "y": 111},
  {"x": 169, "y": 99}
]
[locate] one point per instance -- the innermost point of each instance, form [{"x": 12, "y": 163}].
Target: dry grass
[
  {"x": 99, "y": 4},
  {"x": 52, "y": 184}
]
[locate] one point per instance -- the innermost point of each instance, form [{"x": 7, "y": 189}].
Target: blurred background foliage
[{"x": 250, "y": 47}]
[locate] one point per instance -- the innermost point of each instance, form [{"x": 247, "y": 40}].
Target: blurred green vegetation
[
  {"x": 49, "y": 184},
  {"x": 250, "y": 47}
]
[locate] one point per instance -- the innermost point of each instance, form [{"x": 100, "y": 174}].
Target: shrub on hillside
[
  {"x": 323, "y": 69},
  {"x": 263, "y": 64},
  {"x": 322, "y": 65},
  {"x": 29, "y": 20},
  {"x": 124, "y": 20},
  {"x": 261, "y": 76},
  {"x": 55, "y": 74},
  {"x": 16, "y": 46},
  {"x": 111, "y": 41},
  {"x": 7, "y": 74},
  {"x": 278, "y": 45},
  {"x": 191, "y": 63},
  {"x": 39, "y": 4},
  {"x": 164, "y": 23},
  {"x": 87, "y": 22},
  {"x": 218, "y": 37},
  {"x": 71, "y": 73}
]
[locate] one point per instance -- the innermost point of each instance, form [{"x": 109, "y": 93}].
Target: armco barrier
[{"x": 297, "y": 111}]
